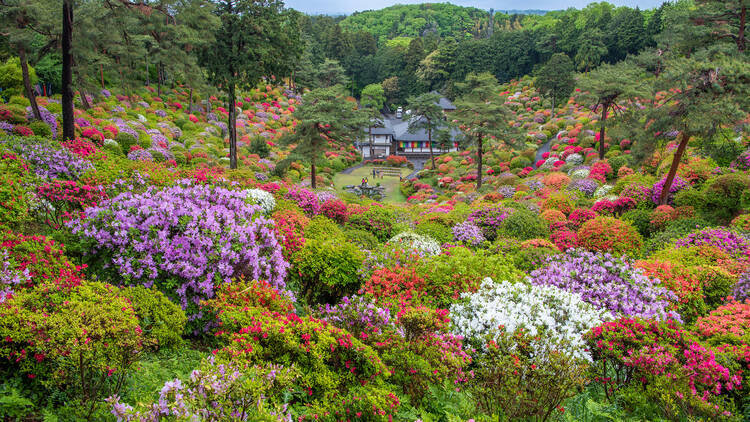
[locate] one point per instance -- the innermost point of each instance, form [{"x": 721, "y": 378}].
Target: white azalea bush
[
  {"x": 263, "y": 199},
  {"x": 603, "y": 191},
  {"x": 424, "y": 245},
  {"x": 557, "y": 316}
]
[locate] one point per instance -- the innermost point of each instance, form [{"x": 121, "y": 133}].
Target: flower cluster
[
  {"x": 422, "y": 245},
  {"x": 469, "y": 233},
  {"x": 50, "y": 162},
  {"x": 584, "y": 186},
  {"x": 562, "y": 317},
  {"x": 726, "y": 240},
  {"x": 185, "y": 237},
  {"x": 678, "y": 184},
  {"x": 306, "y": 199},
  {"x": 263, "y": 199},
  {"x": 358, "y": 315},
  {"x": 11, "y": 277},
  {"x": 607, "y": 283},
  {"x": 48, "y": 118}
]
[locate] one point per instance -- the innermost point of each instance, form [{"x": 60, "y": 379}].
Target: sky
[{"x": 349, "y": 6}]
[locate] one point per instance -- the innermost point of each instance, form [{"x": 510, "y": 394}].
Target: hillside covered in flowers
[{"x": 186, "y": 250}]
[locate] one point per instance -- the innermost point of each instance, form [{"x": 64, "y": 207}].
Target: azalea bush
[
  {"x": 196, "y": 237},
  {"x": 560, "y": 316},
  {"x": 609, "y": 283},
  {"x": 48, "y": 160},
  {"x": 661, "y": 366},
  {"x": 610, "y": 235}
]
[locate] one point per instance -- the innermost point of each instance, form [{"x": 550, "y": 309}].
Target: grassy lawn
[{"x": 392, "y": 193}]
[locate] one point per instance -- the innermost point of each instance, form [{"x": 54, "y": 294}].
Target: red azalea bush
[
  {"x": 65, "y": 198},
  {"x": 611, "y": 235},
  {"x": 398, "y": 285},
  {"x": 556, "y": 180},
  {"x": 552, "y": 216},
  {"x": 728, "y": 323},
  {"x": 93, "y": 134},
  {"x": 601, "y": 170},
  {"x": 42, "y": 259},
  {"x": 22, "y": 131},
  {"x": 616, "y": 208},
  {"x": 580, "y": 216},
  {"x": 681, "y": 282},
  {"x": 80, "y": 147},
  {"x": 558, "y": 201},
  {"x": 336, "y": 210},
  {"x": 564, "y": 239},
  {"x": 662, "y": 215},
  {"x": 290, "y": 227},
  {"x": 661, "y": 362}
]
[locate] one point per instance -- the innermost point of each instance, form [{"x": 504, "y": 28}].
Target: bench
[{"x": 388, "y": 171}]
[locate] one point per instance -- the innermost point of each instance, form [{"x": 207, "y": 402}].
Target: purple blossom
[
  {"x": 506, "y": 191},
  {"x": 6, "y": 127},
  {"x": 728, "y": 241},
  {"x": 82, "y": 122},
  {"x": 357, "y": 315},
  {"x": 678, "y": 184},
  {"x": 161, "y": 113},
  {"x": 742, "y": 288},
  {"x": 140, "y": 155},
  {"x": 105, "y": 93},
  {"x": 10, "y": 277},
  {"x": 306, "y": 199},
  {"x": 188, "y": 236},
  {"x": 584, "y": 186},
  {"x": 469, "y": 233},
  {"x": 607, "y": 283},
  {"x": 47, "y": 117},
  {"x": 49, "y": 161}
]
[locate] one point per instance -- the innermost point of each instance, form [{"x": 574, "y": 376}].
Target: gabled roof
[{"x": 444, "y": 103}]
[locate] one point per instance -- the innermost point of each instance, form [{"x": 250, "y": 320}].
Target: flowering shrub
[
  {"x": 263, "y": 199},
  {"x": 585, "y": 186},
  {"x": 488, "y": 220},
  {"x": 33, "y": 260},
  {"x": 564, "y": 239},
  {"x": 662, "y": 215},
  {"x": 48, "y": 161},
  {"x": 424, "y": 245},
  {"x": 558, "y": 201},
  {"x": 611, "y": 235},
  {"x": 399, "y": 285},
  {"x": 742, "y": 222},
  {"x": 682, "y": 282},
  {"x": 359, "y": 315},
  {"x": 616, "y": 207},
  {"x": 728, "y": 241},
  {"x": 339, "y": 374},
  {"x": 727, "y": 322},
  {"x": 579, "y": 216},
  {"x": 607, "y": 283},
  {"x": 162, "y": 322},
  {"x": 63, "y": 199},
  {"x": 82, "y": 338},
  {"x": 197, "y": 236},
  {"x": 678, "y": 184},
  {"x": 14, "y": 198},
  {"x": 468, "y": 233},
  {"x": 560, "y": 317},
  {"x": 336, "y": 210},
  {"x": 523, "y": 376},
  {"x": 661, "y": 362},
  {"x": 216, "y": 392},
  {"x": 376, "y": 219},
  {"x": 742, "y": 288},
  {"x": 305, "y": 199},
  {"x": 556, "y": 180},
  {"x": 553, "y": 216},
  {"x": 80, "y": 147},
  {"x": 289, "y": 229}
]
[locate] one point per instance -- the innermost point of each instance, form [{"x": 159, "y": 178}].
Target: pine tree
[
  {"x": 607, "y": 85},
  {"x": 555, "y": 78},
  {"x": 481, "y": 113},
  {"x": 426, "y": 114},
  {"x": 591, "y": 51},
  {"x": 256, "y": 39},
  {"x": 325, "y": 116}
]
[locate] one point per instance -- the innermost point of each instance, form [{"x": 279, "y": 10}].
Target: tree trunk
[
  {"x": 480, "y": 154},
  {"x": 605, "y": 107},
  {"x": 148, "y": 72},
  {"x": 741, "y": 34},
  {"x": 372, "y": 153},
  {"x": 673, "y": 168},
  {"x": 67, "y": 71},
  {"x": 313, "y": 174},
  {"x": 190, "y": 100},
  {"x": 553, "y": 106},
  {"x": 27, "y": 83},
  {"x": 232, "y": 129},
  {"x": 101, "y": 73},
  {"x": 85, "y": 101},
  {"x": 429, "y": 137},
  {"x": 158, "y": 80}
]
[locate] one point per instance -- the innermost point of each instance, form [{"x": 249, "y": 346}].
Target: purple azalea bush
[
  {"x": 584, "y": 186},
  {"x": 185, "y": 239},
  {"x": 506, "y": 191},
  {"x": 140, "y": 155},
  {"x": 678, "y": 184},
  {"x": 357, "y": 315},
  {"x": 608, "y": 283},
  {"x": 728, "y": 241},
  {"x": 49, "y": 161},
  {"x": 48, "y": 118},
  {"x": 468, "y": 233},
  {"x": 10, "y": 277},
  {"x": 742, "y": 288}
]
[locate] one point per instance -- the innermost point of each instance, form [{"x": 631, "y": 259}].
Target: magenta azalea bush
[
  {"x": 728, "y": 241},
  {"x": 184, "y": 239}
]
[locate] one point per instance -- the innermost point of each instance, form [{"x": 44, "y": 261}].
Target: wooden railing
[{"x": 387, "y": 171}]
